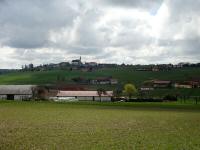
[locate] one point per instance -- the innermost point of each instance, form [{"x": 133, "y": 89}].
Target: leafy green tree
[{"x": 130, "y": 90}]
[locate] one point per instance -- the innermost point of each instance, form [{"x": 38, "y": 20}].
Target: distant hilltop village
[{"x": 77, "y": 64}]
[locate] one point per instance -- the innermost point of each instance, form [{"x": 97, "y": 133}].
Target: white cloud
[{"x": 114, "y": 31}]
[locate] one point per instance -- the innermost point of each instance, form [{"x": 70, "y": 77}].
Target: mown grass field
[{"x": 46, "y": 125}]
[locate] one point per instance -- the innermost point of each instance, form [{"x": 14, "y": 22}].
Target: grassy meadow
[
  {"x": 48, "y": 125},
  {"x": 124, "y": 75}
]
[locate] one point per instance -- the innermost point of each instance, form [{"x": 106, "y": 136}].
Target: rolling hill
[{"x": 124, "y": 75}]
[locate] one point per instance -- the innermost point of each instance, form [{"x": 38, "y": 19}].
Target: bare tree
[{"x": 101, "y": 91}]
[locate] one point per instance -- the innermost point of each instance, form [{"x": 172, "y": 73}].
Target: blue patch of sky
[{"x": 155, "y": 8}]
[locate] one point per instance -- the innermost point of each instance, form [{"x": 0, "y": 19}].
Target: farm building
[
  {"x": 16, "y": 92},
  {"x": 104, "y": 81},
  {"x": 86, "y": 95},
  {"x": 183, "y": 85},
  {"x": 146, "y": 88},
  {"x": 162, "y": 84},
  {"x": 187, "y": 84}
]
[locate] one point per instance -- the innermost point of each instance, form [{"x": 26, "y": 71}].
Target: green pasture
[
  {"x": 48, "y": 125},
  {"x": 124, "y": 75}
]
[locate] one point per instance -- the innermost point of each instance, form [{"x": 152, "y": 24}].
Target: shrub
[{"x": 170, "y": 97}]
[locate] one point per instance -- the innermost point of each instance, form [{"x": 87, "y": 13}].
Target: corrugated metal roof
[
  {"x": 82, "y": 93},
  {"x": 16, "y": 89}
]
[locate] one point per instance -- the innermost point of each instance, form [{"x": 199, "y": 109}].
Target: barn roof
[
  {"x": 82, "y": 93},
  {"x": 16, "y": 89},
  {"x": 162, "y": 82}
]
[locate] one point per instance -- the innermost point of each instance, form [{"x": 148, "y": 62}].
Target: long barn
[
  {"x": 86, "y": 95},
  {"x": 16, "y": 92}
]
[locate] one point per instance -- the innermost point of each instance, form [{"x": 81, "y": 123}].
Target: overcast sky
[{"x": 109, "y": 31}]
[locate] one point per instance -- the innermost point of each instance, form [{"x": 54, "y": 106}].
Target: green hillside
[{"x": 124, "y": 75}]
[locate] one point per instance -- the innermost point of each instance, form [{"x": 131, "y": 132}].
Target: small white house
[{"x": 86, "y": 95}]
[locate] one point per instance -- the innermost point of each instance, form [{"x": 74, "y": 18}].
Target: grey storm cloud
[
  {"x": 141, "y": 4},
  {"x": 183, "y": 21},
  {"x": 187, "y": 46},
  {"x": 101, "y": 29},
  {"x": 183, "y": 8},
  {"x": 26, "y": 24}
]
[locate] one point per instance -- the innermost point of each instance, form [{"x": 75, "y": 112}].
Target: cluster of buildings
[
  {"x": 85, "y": 67},
  {"x": 96, "y": 81},
  {"x": 77, "y": 64},
  {"x": 28, "y": 92},
  {"x": 103, "y": 80},
  {"x": 155, "y": 68},
  {"x": 156, "y": 84},
  {"x": 164, "y": 67}
]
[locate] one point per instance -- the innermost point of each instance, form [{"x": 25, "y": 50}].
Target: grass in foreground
[{"x": 45, "y": 125}]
